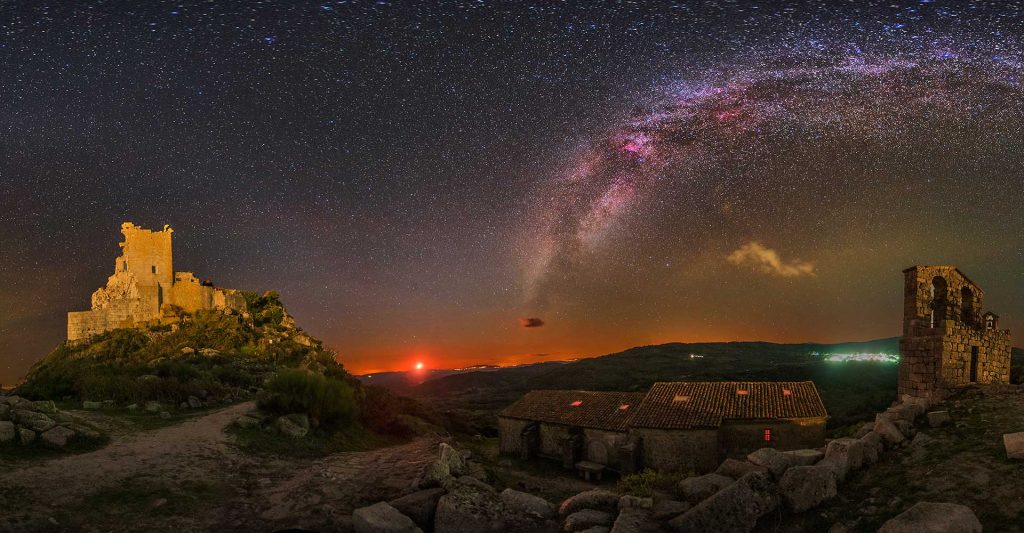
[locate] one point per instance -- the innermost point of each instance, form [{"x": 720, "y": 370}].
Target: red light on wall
[
  {"x": 786, "y": 392},
  {"x": 742, "y": 392},
  {"x": 623, "y": 407},
  {"x": 767, "y": 434},
  {"x": 577, "y": 403}
]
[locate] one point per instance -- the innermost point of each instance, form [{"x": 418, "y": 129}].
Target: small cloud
[
  {"x": 531, "y": 322},
  {"x": 766, "y": 260},
  {"x": 540, "y": 354}
]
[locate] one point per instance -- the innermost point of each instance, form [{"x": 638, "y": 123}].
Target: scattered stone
[
  {"x": 208, "y": 352},
  {"x": 695, "y": 489},
  {"x": 194, "y": 403},
  {"x": 586, "y": 518},
  {"x": 635, "y": 502},
  {"x": 433, "y": 474},
  {"x": 666, "y": 509},
  {"x": 471, "y": 509},
  {"x": 934, "y": 518},
  {"x": 888, "y": 431},
  {"x": 419, "y": 506},
  {"x": 56, "y": 437},
  {"x": 846, "y": 454},
  {"x": 187, "y": 351},
  {"x": 906, "y": 428},
  {"x": 804, "y": 457},
  {"x": 527, "y": 504},
  {"x": 601, "y": 500},
  {"x": 452, "y": 459},
  {"x": 165, "y": 415},
  {"x": 45, "y": 406},
  {"x": 382, "y": 518},
  {"x": 806, "y": 487},
  {"x": 737, "y": 469},
  {"x": 734, "y": 508},
  {"x": 873, "y": 440},
  {"x": 295, "y": 425},
  {"x": 864, "y": 430},
  {"x": 153, "y": 407},
  {"x": 938, "y": 418},
  {"x": 774, "y": 460},
  {"x": 1014, "y": 444},
  {"x": 246, "y": 421},
  {"x": 7, "y": 432},
  {"x": 85, "y": 431},
  {"x": 26, "y": 436},
  {"x": 33, "y": 420},
  {"x": 635, "y": 520}
]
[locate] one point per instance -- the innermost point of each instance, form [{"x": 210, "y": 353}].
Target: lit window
[
  {"x": 681, "y": 398},
  {"x": 623, "y": 407},
  {"x": 577, "y": 403},
  {"x": 742, "y": 392},
  {"x": 767, "y": 434},
  {"x": 787, "y": 392}
]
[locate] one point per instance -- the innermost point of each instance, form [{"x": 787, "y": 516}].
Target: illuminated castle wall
[
  {"x": 947, "y": 342},
  {"x": 145, "y": 288}
]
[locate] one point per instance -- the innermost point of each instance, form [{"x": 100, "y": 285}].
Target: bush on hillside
[
  {"x": 643, "y": 484},
  {"x": 327, "y": 401}
]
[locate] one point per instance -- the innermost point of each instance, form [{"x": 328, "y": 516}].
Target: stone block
[
  {"x": 1014, "y": 444},
  {"x": 938, "y": 418},
  {"x": 734, "y": 508},
  {"x": 805, "y": 487},
  {"x": 775, "y": 461},
  {"x": 934, "y": 518},
  {"x": 737, "y": 469},
  {"x": 419, "y": 506},
  {"x": 695, "y": 489},
  {"x": 382, "y": 518},
  {"x": 804, "y": 457}
]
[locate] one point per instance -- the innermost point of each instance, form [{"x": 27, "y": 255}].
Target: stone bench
[{"x": 590, "y": 471}]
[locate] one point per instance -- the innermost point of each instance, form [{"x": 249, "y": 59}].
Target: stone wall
[
  {"x": 945, "y": 341},
  {"x": 602, "y": 447},
  {"x": 675, "y": 450},
  {"x": 509, "y": 431},
  {"x": 737, "y": 438}
]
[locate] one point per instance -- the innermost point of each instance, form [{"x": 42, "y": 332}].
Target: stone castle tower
[
  {"x": 947, "y": 342},
  {"x": 145, "y": 288}
]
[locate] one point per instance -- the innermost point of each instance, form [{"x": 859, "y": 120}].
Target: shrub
[
  {"x": 326, "y": 401},
  {"x": 644, "y": 484}
]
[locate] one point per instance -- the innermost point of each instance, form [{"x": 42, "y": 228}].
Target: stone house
[
  {"x": 145, "y": 288},
  {"x": 675, "y": 427},
  {"x": 947, "y": 341}
]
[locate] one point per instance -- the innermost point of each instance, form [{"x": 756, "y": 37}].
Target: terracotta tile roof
[
  {"x": 597, "y": 410},
  {"x": 704, "y": 404}
]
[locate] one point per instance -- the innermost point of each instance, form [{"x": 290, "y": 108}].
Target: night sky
[{"x": 494, "y": 183}]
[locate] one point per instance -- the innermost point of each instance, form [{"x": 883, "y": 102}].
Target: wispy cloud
[
  {"x": 531, "y": 322},
  {"x": 766, "y": 260}
]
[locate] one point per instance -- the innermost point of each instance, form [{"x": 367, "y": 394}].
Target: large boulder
[
  {"x": 696, "y": 489},
  {"x": 806, "y": 487},
  {"x": 874, "y": 440},
  {"x": 7, "y": 432},
  {"x": 5, "y": 411},
  {"x": 382, "y": 518},
  {"x": 804, "y": 457},
  {"x": 295, "y": 425},
  {"x": 1014, "y": 444},
  {"x": 470, "y": 508},
  {"x": 732, "y": 509},
  {"x": 419, "y": 506},
  {"x": 928, "y": 517},
  {"x": 938, "y": 418},
  {"x": 870, "y": 450},
  {"x": 45, "y": 406},
  {"x": 736, "y": 469},
  {"x": 846, "y": 454},
  {"x": 864, "y": 429},
  {"x": 598, "y": 499},
  {"x": 432, "y": 474},
  {"x": 888, "y": 431},
  {"x": 630, "y": 502},
  {"x": 56, "y": 437},
  {"x": 527, "y": 504},
  {"x": 246, "y": 421},
  {"x": 775, "y": 461},
  {"x": 452, "y": 459},
  {"x": 635, "y": 520},
  {"x": 33, "y": 420},
  {"x": 85, "y": 431},
  {"x": 667, "y": 509},
  {"x": 587, "y": 518},
  {"x": 26, "y": 436}
]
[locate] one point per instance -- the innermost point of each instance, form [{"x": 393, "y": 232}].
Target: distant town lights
[{"x": 874, "y": 357}]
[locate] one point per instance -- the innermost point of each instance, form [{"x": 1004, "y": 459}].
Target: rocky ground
[{"x": 189, "y": 477}]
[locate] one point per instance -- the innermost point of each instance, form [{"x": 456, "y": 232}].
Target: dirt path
[{"x": 188, "y": 477}]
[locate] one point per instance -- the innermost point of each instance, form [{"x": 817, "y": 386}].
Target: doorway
[{"x": 974, "y": 364}]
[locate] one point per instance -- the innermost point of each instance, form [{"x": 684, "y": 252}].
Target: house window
[
  {"x": 787, "y": 392},
  {"x": 154, "y": 269},
  {"x": 681, "y": 398},
  {"x": 767, "y": 434},
  {"x": 742, "y": 392},
  {"x": 623, "y": 407},
  {"x": 577, "y": 403}
]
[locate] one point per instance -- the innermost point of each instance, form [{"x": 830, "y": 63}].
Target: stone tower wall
[{"x": 944, "y": 335}]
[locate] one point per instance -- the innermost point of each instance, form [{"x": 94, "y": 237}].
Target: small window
[
  {"x": 577, "y": 403},
  {"x": 154, "y": 269},
  {"x": 767, "y": 434},
  {"x": 623, "y": 407},
  {"x": 787, "y": 392},
  {"x": 681, "y": 398},
  {"x": 742, "y": 392}
]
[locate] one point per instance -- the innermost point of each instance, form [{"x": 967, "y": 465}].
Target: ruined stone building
[
  {"x": 674, "y": 427},
  {"x": 145, "y": 288},
  {"x": 947, "y": 341}
]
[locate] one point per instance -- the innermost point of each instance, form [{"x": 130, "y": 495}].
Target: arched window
[
  {"x": 967, "y": 306},
  {"x": 939, "y": 298}
]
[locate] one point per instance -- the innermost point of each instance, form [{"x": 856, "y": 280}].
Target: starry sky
[{"x": 460, "y": 183}]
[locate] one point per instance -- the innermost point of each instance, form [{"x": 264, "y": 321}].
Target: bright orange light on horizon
[{"x": 419, "y": 365}]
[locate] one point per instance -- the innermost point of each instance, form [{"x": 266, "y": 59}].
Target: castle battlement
[{"x": 145, "y": 288}]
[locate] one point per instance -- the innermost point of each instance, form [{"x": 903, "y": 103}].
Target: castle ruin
[
  {"x": 145, "y": 288},
  {"x": 947, "y": 342}
]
